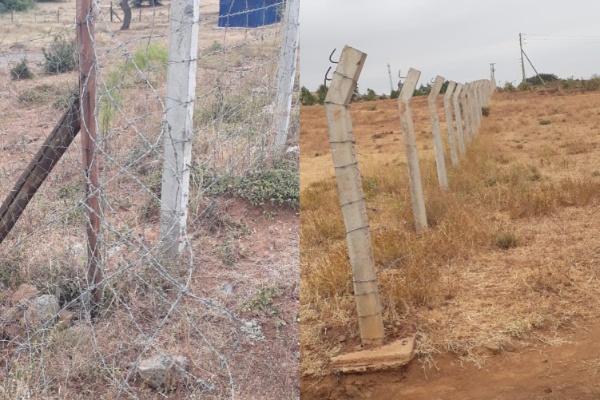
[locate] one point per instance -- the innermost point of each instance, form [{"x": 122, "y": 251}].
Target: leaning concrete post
[
  {"x": 449, "y": 122},
  {"x": 438, "y": 144},
  {"x": 459, "y": 128},
  {"x": 410, "y": 147},
  {"x": 178, "y": 125},
  {"x": 352, "y": 199}
]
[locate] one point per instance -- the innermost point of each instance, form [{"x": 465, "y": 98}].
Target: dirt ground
[{"x": 494, "y": 296}]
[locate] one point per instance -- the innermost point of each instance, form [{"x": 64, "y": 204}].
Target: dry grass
[{"x": 452, "y": 285}]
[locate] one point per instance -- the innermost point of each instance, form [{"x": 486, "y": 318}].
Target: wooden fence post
[
  {"x": 39, "y": 168},
  {"x": 286, "y": 74},
  {"x": 449, "y": 122},
  {"x": 178, "y": 125},
  {"x": 438, "y": 144},
  {"x": 459, "y": 128},
  {"x": 87, "y": 94},
  {"x": 410, "y": 147},
  {"x": 352, "y": 200}
]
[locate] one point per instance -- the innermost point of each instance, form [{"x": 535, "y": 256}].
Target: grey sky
[{"x": 457, "y": 39}]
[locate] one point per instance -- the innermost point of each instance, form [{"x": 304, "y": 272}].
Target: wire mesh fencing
[{"x": 217, "y": 321}]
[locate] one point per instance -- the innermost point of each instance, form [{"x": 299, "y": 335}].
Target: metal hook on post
[
  {"x": 331, "y": 55},
  {"x": 326, "y": 77}
]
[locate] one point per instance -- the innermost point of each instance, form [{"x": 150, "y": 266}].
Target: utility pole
[
  {"x": 522, "y": 61},
  {"x": 492, "y": 70},
  {"x": 391, "y": 82}
]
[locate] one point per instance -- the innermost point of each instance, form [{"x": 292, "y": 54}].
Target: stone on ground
[
  {"x": 163, "y": 371},
  {"x": 42, "y": 312}
]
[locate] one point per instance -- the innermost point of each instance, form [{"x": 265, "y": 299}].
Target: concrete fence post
[
  {"x": 352, "y": 199},
  {"x": 410, "y": 147},
  {"x": 449, "y": 122},
  {"x": 459, "y": 128},
  {"x": 466, "y": 111},
  {"x": 178, "y": 124},
  {"x": 438, "y": 144},
  {"x": 286, "y": 74}
]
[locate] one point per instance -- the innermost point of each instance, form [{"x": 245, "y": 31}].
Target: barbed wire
[{"x": 200, "y": 305}]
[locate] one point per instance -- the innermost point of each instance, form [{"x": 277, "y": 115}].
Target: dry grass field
[
  {"x": 237, "y": 320},
  {"x": 506, "y": 277}
]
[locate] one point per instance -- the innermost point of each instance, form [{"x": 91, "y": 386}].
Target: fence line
[{"x": 474, "y": 95}]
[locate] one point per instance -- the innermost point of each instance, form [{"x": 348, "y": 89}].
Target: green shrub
[
  {"x": 61, "y": 56},
  {"x": 321, "y": 94},
  {"x": 506, "y": 240},
  {"x": 394, "y": 94},
  {"x": 592, "y": 84},
  {"x": 21, "y": 70},
  {"x": 306, "y": 97},
  {"x": 371, "y": 95},
  {"x": 278, "y": 186},
  {"x": 509, "y": 87},
  {"x": 16, "y": 5},
  {"x": 536, "y": 81},
  {"x": 153, "y": 56},
  {"x": 545, "y": 122}
]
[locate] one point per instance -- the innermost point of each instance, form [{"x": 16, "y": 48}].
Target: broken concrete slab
[{"x": 390, "y": 356}]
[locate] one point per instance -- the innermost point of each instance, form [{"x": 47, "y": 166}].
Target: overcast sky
[{"x": 457, "y": 39}]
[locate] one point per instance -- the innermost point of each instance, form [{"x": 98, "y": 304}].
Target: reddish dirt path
[{"x": 569, "y": 371}]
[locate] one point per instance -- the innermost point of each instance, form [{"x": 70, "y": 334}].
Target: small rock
[
  {"x": 293, "y": 149},
  {"x": 227, "y": 289},
  {"x": 163, "y": 371},
  {"x": 507, "y": 346},
  {"x": 42, "y": 311},
  {"x": 24, "y": 292},
  {"x": 65, "y": 319},
  {"x": 341, "y": 338},
  {"x": 253, "y": 329}
]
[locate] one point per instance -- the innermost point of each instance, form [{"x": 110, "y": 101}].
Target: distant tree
[
  {"x": 536, "y": 81},
  {"x": 445, "y": 87},
  {"x": 371, "y": 95},
  {"x": 423, "y": 90},
  {"x": 394, "y": 94},
  {"x": 356, "y": 95},
  {"x": 306, "y": 97},
  {"x": 126, "y": 14},
  {"x": 321, "y": 93}
]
